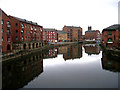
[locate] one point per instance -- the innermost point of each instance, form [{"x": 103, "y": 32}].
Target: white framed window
[
  {"x": 2, "y": 22},
  {"x": 31, "y": 28},
  {"x": 22, "y": 26}
]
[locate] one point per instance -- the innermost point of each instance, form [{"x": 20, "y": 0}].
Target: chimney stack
[{"x": 89, "y": 28}]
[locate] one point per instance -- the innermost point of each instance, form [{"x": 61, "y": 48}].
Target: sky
[{"x": 56, "y": 13}]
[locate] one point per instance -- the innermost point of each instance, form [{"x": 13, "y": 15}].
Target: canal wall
[
  {"x": 112, "y": 53},
  {"x": 42, "y": 49}
]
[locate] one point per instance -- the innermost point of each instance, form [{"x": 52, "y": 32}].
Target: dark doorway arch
[
  {"x": 33, "y": 45},
  {"x": 29, "y": 46},
  {"x": 24, "y": 46},
  {"x": 39, "y": 44},
  {"x": 8, "y": 47},
  {"x": 36, "y": 45}
]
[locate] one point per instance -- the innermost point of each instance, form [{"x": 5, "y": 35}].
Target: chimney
[{"x": 89, "y": 28}]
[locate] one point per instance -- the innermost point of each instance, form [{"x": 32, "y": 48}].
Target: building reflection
[
  {"x": 110, "y": 63},
  {"x": 73, "y": 52},
  {"x": 62, "y": 50},
  {"x": 17, "y": 73},
  {"x": 92, "y": 49},
  {"x": 52, "y": 53}
]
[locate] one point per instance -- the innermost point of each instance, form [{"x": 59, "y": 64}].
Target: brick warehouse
[
  {"x": 111, "y": 36},
  {"x": 74, "y": 34},
  {"x": 25, "y": 34},
  {"x": 5, "y": 32},
  {"x": 92, "y": 35},
  {"x": 49, "y": 35}
]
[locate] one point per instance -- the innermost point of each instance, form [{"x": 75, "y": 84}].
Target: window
[
  {"x": 22, "y": 32},
  {"x": 35, "y": 28},
  {"x": 2, "y": 30},
  {"x": 22, "y": 38},
  {"x": 22, "y": 26},
  {"x": 2, "y": 39},
  {"x": 110, "y": 40},
  {"x": 16, "y": 31},
  {"x": 8, "y": 39},
  {"x": 109, "y": 33},
  {"x": 16, "y": 38},
  {"x": 31, "y": 28},
  {"x": 2, "y": 22},
  {"x": 16, "y": 24},
  {"x": 25, "y": 32},
  {"x": 8, "y": 24},
  {"x": 8, "y": 32}
]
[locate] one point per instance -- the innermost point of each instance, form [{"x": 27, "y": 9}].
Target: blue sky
[{"x": 56, "y": 13}]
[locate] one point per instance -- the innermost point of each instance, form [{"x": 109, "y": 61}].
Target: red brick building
[
  {"x": 74, "y": 34},
  {"x": 92, "y": 35},
  {"x": 5, "y": 32},
  {"x": 25, "y": 34},
  {"x": 49, "y": 35},
  {"x": 111, "y": 36}
]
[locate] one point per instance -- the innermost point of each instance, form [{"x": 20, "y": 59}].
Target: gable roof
[
  {"x": 1, "y": 11},
  {"x": 112, "y": 27},
  {"x": 26, "y": 21}
]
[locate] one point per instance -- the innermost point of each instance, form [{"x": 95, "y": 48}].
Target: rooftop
[
  {"x": 112, "y": 27},
  {"x": 73, "y": 26},
  {"x": 91, "y": 31},
  {"x": 61, "y": 32},
  {"x": 25, "y": 21},
  {"x": 49, "y": 29}
]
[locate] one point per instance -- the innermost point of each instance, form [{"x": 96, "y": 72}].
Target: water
[{"x": 76, "y": 66}]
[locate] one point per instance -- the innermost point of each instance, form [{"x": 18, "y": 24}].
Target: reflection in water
[
  {"x": 17, "y": 73},
  {"x": 52, "y": 53},
  {"x": 110, "y": 64},
  {"x": 58, "y": 72},
  {"x": 92, "y": 49},
  {"x": 72, "y": 52}
]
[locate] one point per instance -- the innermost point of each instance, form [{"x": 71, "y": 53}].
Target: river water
[{"x": 72, "y": 66}]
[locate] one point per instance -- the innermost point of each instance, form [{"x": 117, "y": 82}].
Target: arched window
[{"x": 110, "y": 40}]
